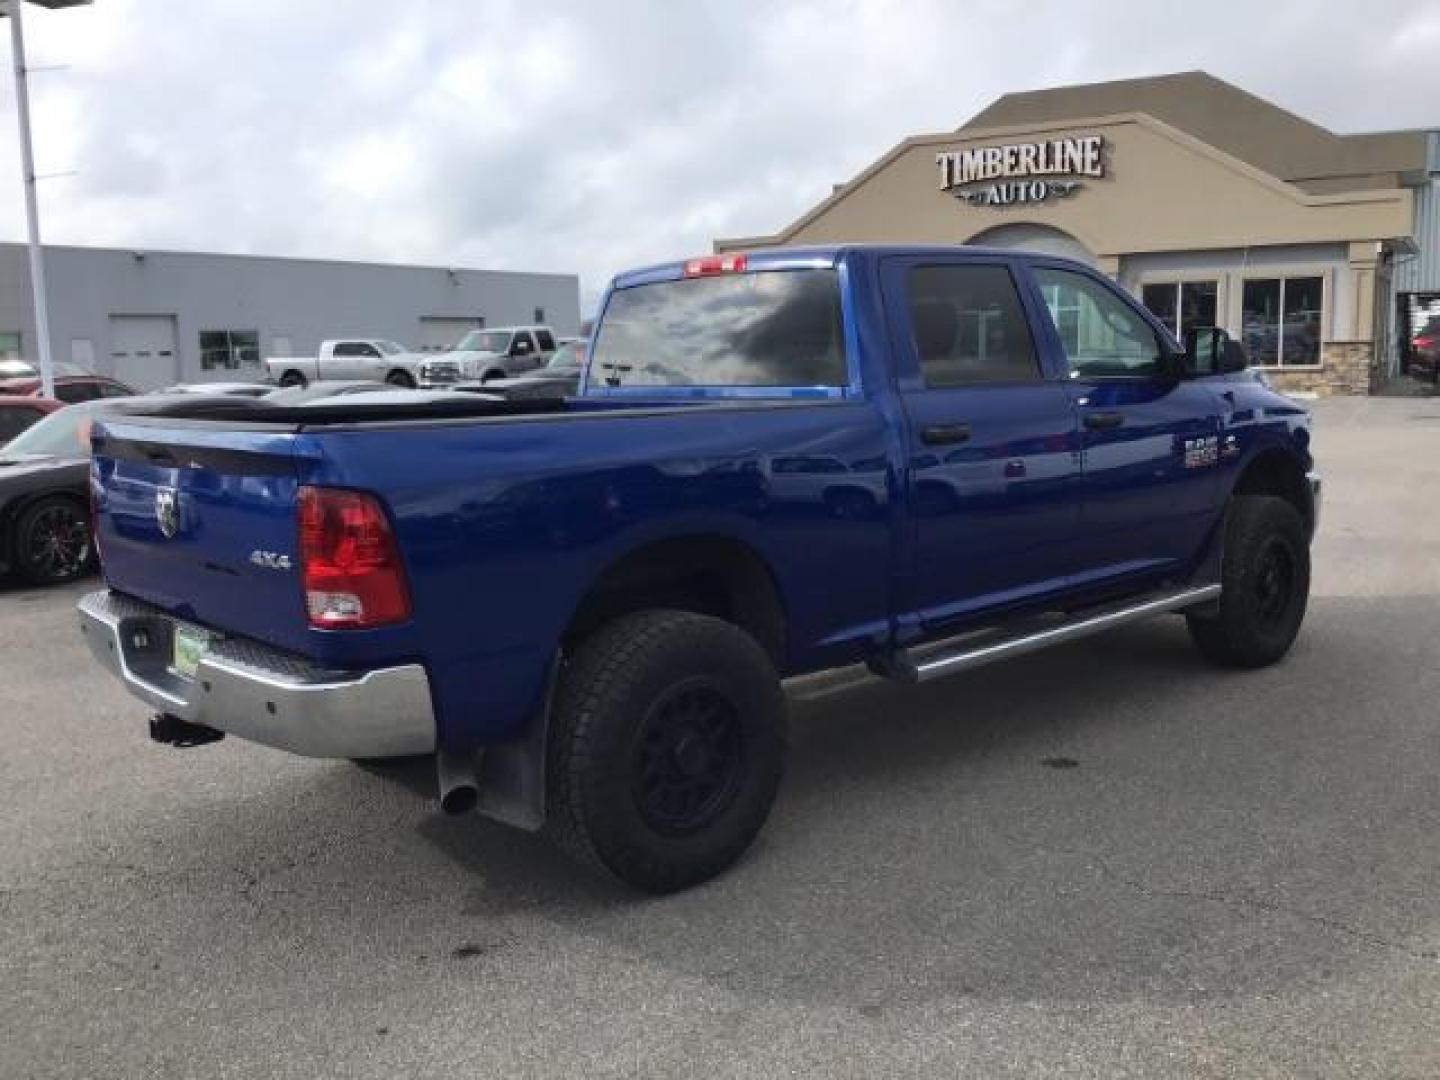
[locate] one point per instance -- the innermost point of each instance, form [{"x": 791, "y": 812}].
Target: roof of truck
[{"x": 822, "y": 255}]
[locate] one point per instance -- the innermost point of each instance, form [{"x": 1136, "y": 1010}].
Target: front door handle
[
  {"x": 944, "y": 434},
  {"x": 1098, "y": 421}
]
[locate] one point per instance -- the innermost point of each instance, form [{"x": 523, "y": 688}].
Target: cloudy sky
[{"x": 590, "y": 136}]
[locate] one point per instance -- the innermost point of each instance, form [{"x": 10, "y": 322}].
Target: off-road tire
[
  {"x": 1265, "y": 581},
  {"x": 622, "y": 684},
  {"x": 403, "y": 379}
]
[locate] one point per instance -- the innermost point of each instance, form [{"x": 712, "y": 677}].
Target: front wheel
[
  {"x": 402, "y": 379},
  {"x": 1265, "y": 585},
  {"x": 52, "y": 542},
  {"x": 666, "y": 748}
]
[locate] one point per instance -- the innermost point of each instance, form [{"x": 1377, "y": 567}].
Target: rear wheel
[
  {"x": 666, "y": 748},
  {"x": 52, "y": 542},
  {"x": 293, "y": 378},
  {"x": 1265, "y": 585},
  {"x": 492, "y": 375},
  {"x": 401, "y": 378}
]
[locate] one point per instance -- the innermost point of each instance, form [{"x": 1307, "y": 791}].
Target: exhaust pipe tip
[
  {"x": 460, "y": 800},
  {"x": 459, "y": 790}
]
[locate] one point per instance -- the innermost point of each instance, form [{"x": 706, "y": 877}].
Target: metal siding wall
[
  {"x": 1422, "y": 273},
  {"x": 302, "y": 299}
]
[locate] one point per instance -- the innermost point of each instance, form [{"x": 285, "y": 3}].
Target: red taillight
[
  {"x": 349, "y": 562},
  {"x": 715, "y": 264},
  {"x": 1424, "y": 341}
]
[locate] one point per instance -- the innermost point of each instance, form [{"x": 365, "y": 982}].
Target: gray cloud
[{"x": 591, "y": 137}]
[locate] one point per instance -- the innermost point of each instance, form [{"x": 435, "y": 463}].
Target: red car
[
  {"x": 18, "y": 413},
  {"x": 69, "y": 389},
  {"x": 1425, "y": 351}
]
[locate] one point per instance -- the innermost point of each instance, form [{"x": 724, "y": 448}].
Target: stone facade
[{"x": 1346, "y": 367}]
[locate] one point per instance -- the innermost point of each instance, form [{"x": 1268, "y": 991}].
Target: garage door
[
  {"x": 143, "y": 350},
  {"x": 438, "y": 333}
]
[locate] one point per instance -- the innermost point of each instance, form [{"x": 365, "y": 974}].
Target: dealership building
[
  {"x": 1320, "y": 251},
  {"x": 152, "y": 318}
]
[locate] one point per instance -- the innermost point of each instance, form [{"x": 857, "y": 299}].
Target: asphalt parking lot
[{"x": 1106, "y": 860}]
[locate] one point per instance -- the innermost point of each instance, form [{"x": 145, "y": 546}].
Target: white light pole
[{"x": 27, "y": 167}]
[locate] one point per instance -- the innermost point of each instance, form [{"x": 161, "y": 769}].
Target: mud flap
[{"x": 512, "y": 773}]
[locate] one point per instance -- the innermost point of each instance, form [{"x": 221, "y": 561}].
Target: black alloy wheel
[
  {"x": 689, "y": 759},
  {"x": 52, "y": 542},
  {"x": 1274, "y": 583}
]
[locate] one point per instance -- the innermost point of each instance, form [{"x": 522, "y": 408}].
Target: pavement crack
[{"x": 1237, "y": 901}]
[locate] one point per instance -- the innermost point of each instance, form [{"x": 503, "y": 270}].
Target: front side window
[
  {"x": 759, "y": 329},
  {"x": 9, "y": 345},
  {"x": 1181, "y": 305},
  {"x": 492, "y": 341},
  {"x": 1281, "y": 319},
  {"x": 968, "y": 326},
  {"x": 1101, "y": 334},
  {"x": 546, "y": 339},
  {"x": 229, "y": 349}
]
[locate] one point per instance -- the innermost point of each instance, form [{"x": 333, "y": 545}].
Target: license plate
[{"x": 188, "y": 645}]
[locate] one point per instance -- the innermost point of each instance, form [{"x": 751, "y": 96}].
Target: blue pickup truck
[{"x": 919, "y": 459}]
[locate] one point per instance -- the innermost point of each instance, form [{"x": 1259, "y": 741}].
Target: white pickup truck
[{"x": 349, "y": 358}]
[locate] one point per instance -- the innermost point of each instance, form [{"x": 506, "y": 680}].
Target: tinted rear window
[{"x": 770, "y": 328}]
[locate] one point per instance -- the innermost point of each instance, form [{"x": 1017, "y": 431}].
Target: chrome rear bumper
[{"x": 255, "y": 692}]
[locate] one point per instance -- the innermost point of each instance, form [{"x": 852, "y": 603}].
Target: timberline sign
[{"x": 1020, "y": 172}]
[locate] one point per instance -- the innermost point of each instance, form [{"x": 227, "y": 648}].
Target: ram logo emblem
[{"x": 167, "y": 510}]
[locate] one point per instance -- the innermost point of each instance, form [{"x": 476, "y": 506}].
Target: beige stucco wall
[{"x": 1163, "y": 191}]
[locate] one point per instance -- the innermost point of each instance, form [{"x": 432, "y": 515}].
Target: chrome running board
[{"x": 984, "y": 647}]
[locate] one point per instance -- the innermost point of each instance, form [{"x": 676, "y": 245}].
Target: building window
[
  {"x": 229, "y": 349},
  {"x": 539, "y": 315},
  {"x": 1181, "y": 305},
  {"x": 1280, "y": 320}
]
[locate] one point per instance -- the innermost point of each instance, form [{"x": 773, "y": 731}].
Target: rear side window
[
  {"x": 767, "y": 328},
  {"x": 969, "y": 326},
  {"x": 546, "y": 339}
]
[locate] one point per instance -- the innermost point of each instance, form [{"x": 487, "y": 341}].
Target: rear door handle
[
  {"x": 1098, "y": 421},
  {"x": 944, "y": 434}
]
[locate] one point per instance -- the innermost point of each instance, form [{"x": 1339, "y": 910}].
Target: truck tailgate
[{"x": 201, "y": 522}]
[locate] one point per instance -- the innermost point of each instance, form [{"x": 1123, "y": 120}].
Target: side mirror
[{"x": 1209, "y": 350}]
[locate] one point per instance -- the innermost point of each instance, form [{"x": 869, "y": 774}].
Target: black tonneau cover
[{"x": 347, "y": 409}]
